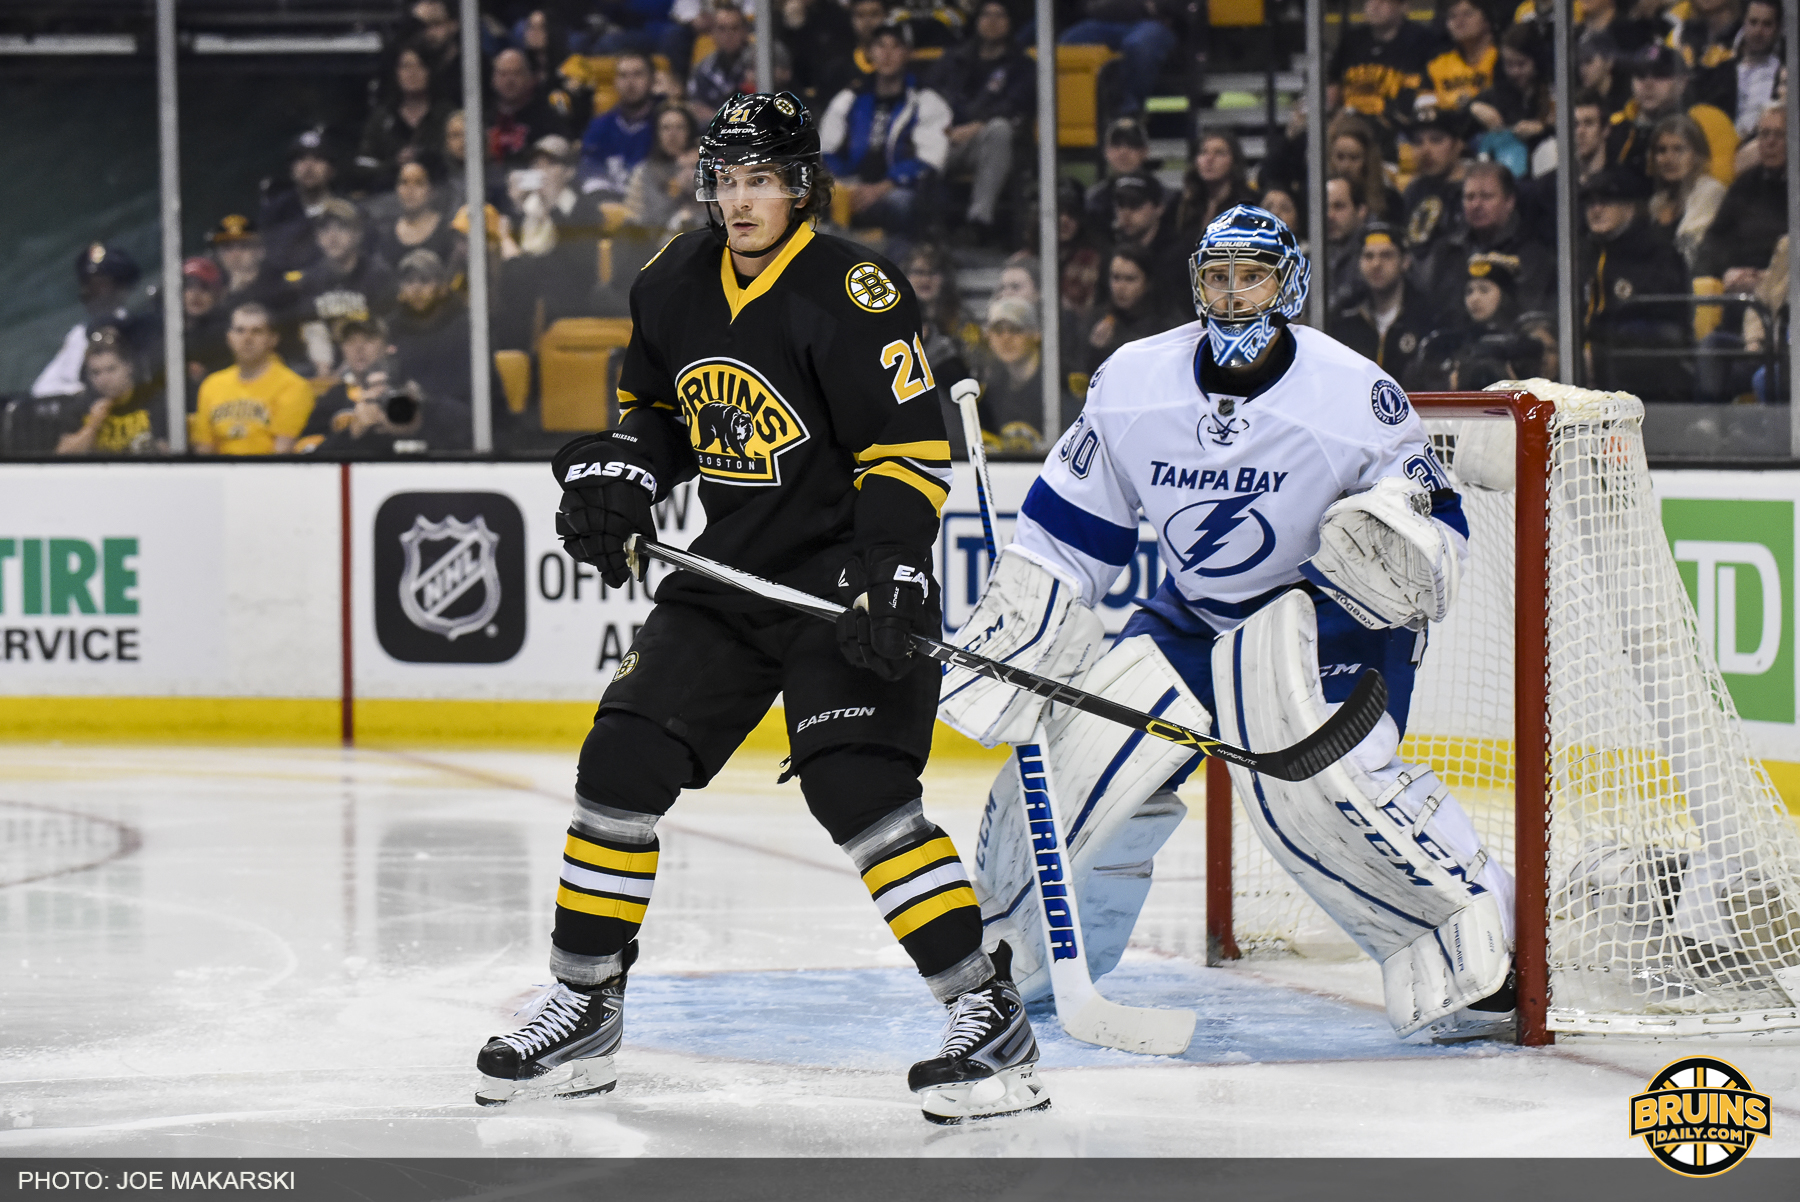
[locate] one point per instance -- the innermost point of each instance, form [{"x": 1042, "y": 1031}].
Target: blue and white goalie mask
[{"x": 1246, "y": 272}]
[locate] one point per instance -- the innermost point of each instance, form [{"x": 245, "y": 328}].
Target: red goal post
[{"x": 1531, "y": 418}]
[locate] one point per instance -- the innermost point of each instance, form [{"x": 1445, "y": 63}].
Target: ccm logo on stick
[{"x": 1063, "y": 944}]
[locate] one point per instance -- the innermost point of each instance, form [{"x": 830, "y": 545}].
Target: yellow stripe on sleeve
[
  {"x": 940, "y": 449},
  {"x": 934, "y": 492},
  {"x": 605, "y": 857},
  {"x": 914, "y": 917},
  {"x": 881, "y": 875},
  {"x": 612, "y": 907}
]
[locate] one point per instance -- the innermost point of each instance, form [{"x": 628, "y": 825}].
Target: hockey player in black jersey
[{"x": 786, "y": 370}]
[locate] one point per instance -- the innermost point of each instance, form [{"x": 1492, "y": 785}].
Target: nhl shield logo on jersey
[
  {"x": 738, "y": 424},
  {"x": 1700, "y": 1116},
  {"x": 429, "y": 594},
  {"x": 870, "y": 288}
]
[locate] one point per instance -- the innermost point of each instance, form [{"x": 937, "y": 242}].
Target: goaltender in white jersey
[{"x": 1308, "y": 534}]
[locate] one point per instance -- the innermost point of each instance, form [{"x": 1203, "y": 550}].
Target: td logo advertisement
[{"x": 1737, "y": 561}]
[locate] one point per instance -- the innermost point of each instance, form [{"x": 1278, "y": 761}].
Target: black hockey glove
[
  {"x": 889, "y": 592},
  {"x": 607, "y": 493}
]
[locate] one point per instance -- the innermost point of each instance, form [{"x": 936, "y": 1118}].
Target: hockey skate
[
  {"x": 987, "y": 1065},
  {"x": 1495, "y": 1016},
  {"x": 564, "y": 1050}
]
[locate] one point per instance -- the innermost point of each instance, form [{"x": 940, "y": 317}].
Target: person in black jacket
[
  {"x": 430, "y": 330},
  {"x": 1624, "y": 258},
  {"x": 1485, "y": 345},
  {"x": 1753, "y": 214},
  {"x": 992, "y": 91},
  {"x": 1131, "y": 310},
  {"x": 1391, "y": 318}
]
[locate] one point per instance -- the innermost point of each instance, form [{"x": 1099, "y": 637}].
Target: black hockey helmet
[{"x": 773, "y": 128}]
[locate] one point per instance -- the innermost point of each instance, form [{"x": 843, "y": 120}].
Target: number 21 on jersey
[{"x": 899, "y": 356}]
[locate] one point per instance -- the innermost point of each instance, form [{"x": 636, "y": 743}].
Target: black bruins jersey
[{"x": 801, "y": 399}]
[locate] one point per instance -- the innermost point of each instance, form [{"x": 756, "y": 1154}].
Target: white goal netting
[{"x": 1673, "y": 868}]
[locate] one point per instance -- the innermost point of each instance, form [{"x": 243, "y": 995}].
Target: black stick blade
[{"x": 1334, "y": 740}]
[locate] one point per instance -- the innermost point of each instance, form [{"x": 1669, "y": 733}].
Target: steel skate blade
[
  {"x": 577, "y": 1079},
  {"x": 1010, "y": 1091},
  {"x": 1466, "y": 1026}
]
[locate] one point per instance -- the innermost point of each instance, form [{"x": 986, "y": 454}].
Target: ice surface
[{"x": 281, "y": 952}]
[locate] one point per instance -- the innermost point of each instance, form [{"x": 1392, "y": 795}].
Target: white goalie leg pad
[
  {"x": 1030, "y": 618},
  {"x": 1109, "y": 778},
  {"x": 1380, "y": 845},
  {"x": 1385, "y": 559}
]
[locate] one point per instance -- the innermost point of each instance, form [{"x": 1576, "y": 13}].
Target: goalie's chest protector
[{"x": 1235, "y": 484}]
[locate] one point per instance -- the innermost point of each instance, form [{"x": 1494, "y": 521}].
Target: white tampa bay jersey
[{"x": 1234, "y": 485}]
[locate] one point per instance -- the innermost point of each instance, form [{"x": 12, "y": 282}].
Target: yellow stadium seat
[
  {"x": 1721, "y": 139},
  {"x": 1231, "y": 13},
  {"x": 514, "y": 369},
  {"x": 1707, "y": 317},
  {"x": 595, "y": 72},
  {"x": 576, "y": 364},
  {"x": 1077, "y": 99},
  {"x": 703, "y": 46}
]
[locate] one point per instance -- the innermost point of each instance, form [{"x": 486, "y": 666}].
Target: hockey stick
[
  {"x": 1309, "y": 757},
  {"x": 965, "y": 393},
  {"x": 1084, "y": 1014}
]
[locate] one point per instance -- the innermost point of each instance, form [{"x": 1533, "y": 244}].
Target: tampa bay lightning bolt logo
[
  {"x": 1389, "y": 402},
  {"x": 1225, "y": 537}
]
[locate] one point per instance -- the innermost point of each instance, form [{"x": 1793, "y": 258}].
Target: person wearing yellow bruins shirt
[
  {"x": 1464, "y": 71},
  {"x": 258, "y": 406}
]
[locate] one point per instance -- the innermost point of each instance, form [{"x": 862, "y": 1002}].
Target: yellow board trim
[
  {"x": 887, "y": 872},
  {"x": 268, "y": 720},
  {"x": 600, "y": 907},
  {"x": 914, "y": 917},
  {"x": 598, "y": 856},
  {"x": 910, "y": 450},
  {"x": 737, "y": 297},
  {"x": 934, "y": 492}
]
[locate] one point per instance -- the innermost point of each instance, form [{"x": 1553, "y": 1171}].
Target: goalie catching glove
[
  {"x": 1030, "y": 618},
  {"x": 1385, "y": 559},
  {"x": 888, "y": 590},
  {"x": 608, "y": 488}
]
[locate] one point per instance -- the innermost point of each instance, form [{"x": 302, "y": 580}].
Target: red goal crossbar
[{"x": 1531, "y": 729}]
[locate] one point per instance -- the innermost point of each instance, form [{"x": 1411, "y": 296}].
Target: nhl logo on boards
[
  {"x": 1700, "y": 1116},
  {"x": 738, "y": 424},
  {"x": 870, "y": 288},
  {"x": 450, "y": 577}
]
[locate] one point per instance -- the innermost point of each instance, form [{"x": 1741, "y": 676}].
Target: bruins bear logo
[{"x": 739, "y": 426}]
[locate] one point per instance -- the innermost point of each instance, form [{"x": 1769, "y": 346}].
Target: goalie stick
[
  {"x": 965, "y": 393},
  {"x": 1307, "y": 758}
]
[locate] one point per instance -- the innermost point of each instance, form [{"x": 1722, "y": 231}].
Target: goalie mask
[
  {"x": 1249, "y": 279},
  {"x": 768, "y": 130}
]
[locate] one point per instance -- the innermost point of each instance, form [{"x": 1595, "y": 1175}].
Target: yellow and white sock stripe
[
  {"x": 913, "y": 886},
  {"x": 607, "y": 879}
]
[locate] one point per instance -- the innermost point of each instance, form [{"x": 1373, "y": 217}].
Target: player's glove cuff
[
  {"x": 891, "y": 595},
  {"x": 607, "y": 495}
]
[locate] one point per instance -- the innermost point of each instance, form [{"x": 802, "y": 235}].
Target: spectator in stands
[
  {"x": 410, "y": 116},
  {"x": 104, "y": 274},
  {"x": 1686, "y": 198},
  {"x": 723, "y": 73},
  {"x": 1597, "y": 61},
  {"x": 619, "y": 139},
  {"x": 554, "y": 274},
  {"x": 645, "y": 27},
  {"x": 1345, "y": 213},
  {"x": 1520, "y": 100},
  {"x": 1753, "y": 213},
  {"x": 1623, "y": 259},
  {"x": 1629, "y": 31},
  {"x": 1755, "y": 68},
  {"x": 660, "y": 196},
  {"x": 345, "y": 283},
  {"x": 521, "y": 114},
  {"x": 1138, "y": 220},
  {"x": 1012, "y": 398},
  {"x": 952, "y": 337},
  {"x": 1130, "y": 312},
  {"x": 1659, "y": 79},
  {"x": 1708, "y": 36},
  {"x": 1432, "y": 202},
  {"x": 421, "y": 221},
  {"x": 1392, "y": 318},
  {"x": 1126, "y": 150},
  {"x": 1774, "y": 291},
  {"x": 125, "y": 417},
  {"x": 543, "y": 40},
  {"x": 1484, "y": 344},
  {"x": 238, "y": 246},
  {"x": 1355, "y": 154},
  {"x": 1466, "y": 69},
  {"x": 288, "y": 213},
  {"x": 440, "y": 40},
  {"x": 1019, "y": 279},
  {"x": 1491, "y": 224},
  {"x": 1218, "y": 179},
  {"x": 351, "y": 417},
  {"x": 886, "y": 141},
  {"x": 1379, "y": 66},
  {"x": 204, "y": 319},
  {"x": 992, "y": 92},
  {"x": 820, "y": 42},
  {"x": 1537, "y": 196},
  {"x": 1281, "y": 202},
  {"x": 257, "y": 406},
  {"x": 1078, "y": 256},
  {"x": 866, "y": 16},
  {"x": 1138, "y": 29},
  {"x": 455, "y": 161},
  {"x": 429, "y": 331}
]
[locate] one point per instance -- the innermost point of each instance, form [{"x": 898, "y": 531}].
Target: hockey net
[{"x": 1658, "y": 869}]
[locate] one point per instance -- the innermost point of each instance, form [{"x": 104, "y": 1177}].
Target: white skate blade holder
[
  {"x": 1009, "y": 1091},
  {"x": 576, "y": 1079},
  {"x": 1084, "y": 1014}
]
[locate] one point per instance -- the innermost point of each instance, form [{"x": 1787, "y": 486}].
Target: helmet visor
[
  {"x": 1235, "y": 287},
  {"x": 727, "y": 183}
]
